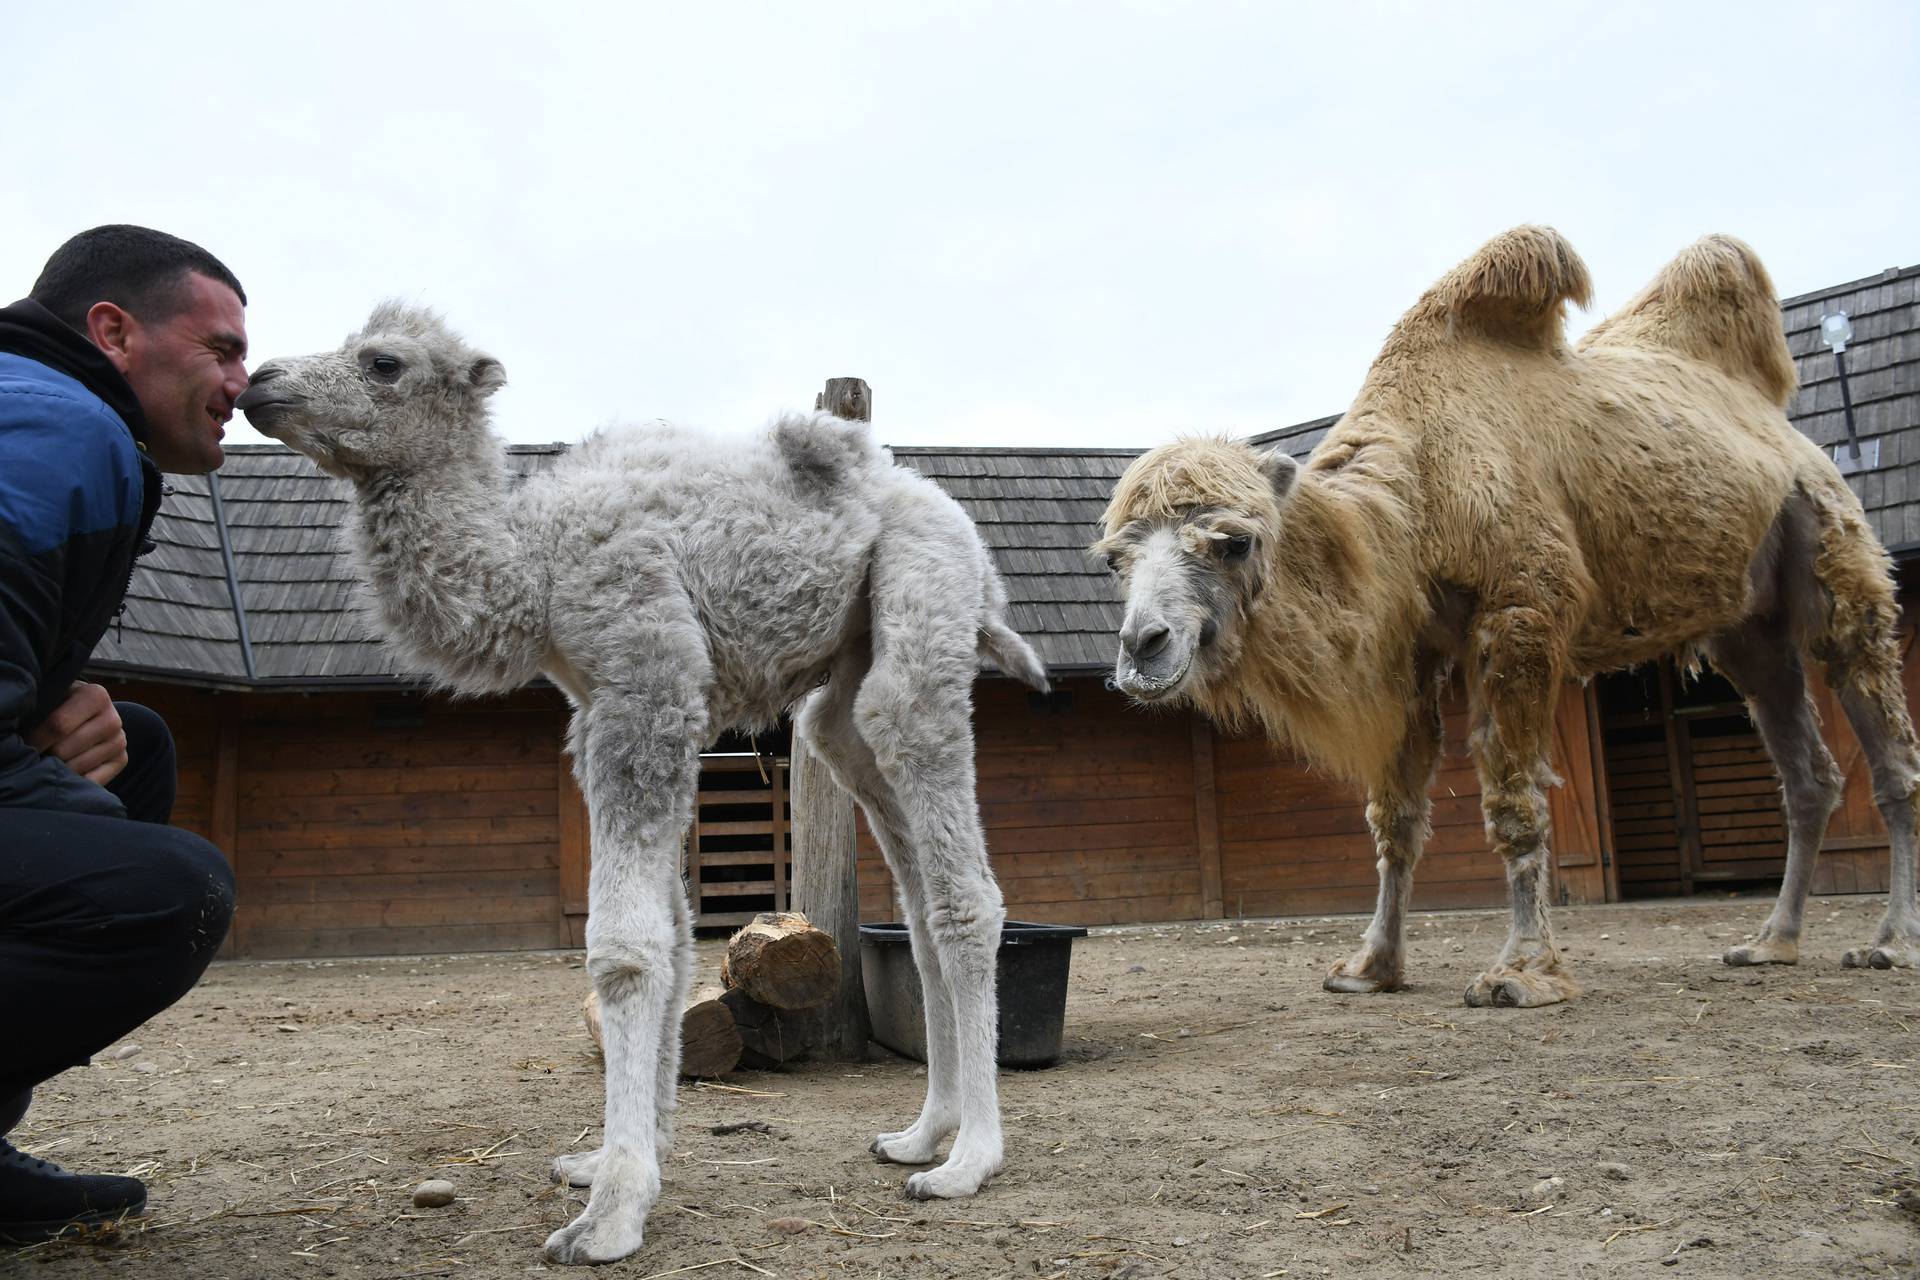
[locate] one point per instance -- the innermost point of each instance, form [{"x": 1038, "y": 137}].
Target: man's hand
[{"x": 85, "y": 733}]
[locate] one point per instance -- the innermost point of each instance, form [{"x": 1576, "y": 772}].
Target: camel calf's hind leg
[{"x": 1399, "y": 813}]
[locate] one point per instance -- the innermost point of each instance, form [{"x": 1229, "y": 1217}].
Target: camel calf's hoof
[
  {"x": 952, "y": 1180},
  {"x": 1520, "y": 989},
  {"x": 917, "y": 1145},
  {"x": 577, "y": 1170},
  {"x": 1887, "y": 955},
  {"x": 589, "y": 1239},
  {"x": 1769, "y": 952}
]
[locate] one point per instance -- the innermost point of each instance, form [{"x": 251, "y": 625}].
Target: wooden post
[
  {"x": 576, "y": 855},
  {"x": 825, "y": 887},
  {"x": 226, "y": 803},
  {"x": 1206, "y": 821}
]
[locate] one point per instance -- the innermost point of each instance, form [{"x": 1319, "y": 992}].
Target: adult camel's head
[
  {"x": 1190, "y": 531},
  {"x": 402, "y": 393}
]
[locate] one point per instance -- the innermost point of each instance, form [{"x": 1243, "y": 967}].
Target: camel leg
[
  {"x": 639, "y": 753},
  {"x": 1878, "y": 713},
  {"x": 1762, "y": 661},
  {"x": 1399, "y": 813},
  {"x": 579, "y": 1168},
  {"x": 826, "y": 722},
  {"x": 1515, "y": 684}
]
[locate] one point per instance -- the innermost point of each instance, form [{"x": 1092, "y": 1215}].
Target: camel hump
[
  {"x": 822, "y": 450},
  {"x": 1714, "y": 303},
  {"x": 1515, "y": 288}
]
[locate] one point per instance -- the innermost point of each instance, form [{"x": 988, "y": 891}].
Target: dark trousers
[{"x": 104, "y": 922}]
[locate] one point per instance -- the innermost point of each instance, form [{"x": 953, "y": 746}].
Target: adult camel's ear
[
  {"x": 486, "y": 375},
  {"x": 1281, "y": 471}
]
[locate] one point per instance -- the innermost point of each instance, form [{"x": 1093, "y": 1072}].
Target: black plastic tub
[{"x": 1033, "y": 963}]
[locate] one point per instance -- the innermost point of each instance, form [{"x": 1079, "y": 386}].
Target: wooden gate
[{"x": 737, "y": 857}]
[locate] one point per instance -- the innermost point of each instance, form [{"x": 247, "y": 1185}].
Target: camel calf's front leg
[{"x": 640, "y": 758}]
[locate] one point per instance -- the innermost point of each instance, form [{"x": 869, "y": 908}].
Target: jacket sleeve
[{"x": 55, "y": 481}]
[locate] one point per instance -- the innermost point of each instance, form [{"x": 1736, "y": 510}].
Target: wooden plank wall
[
  {"x": 357, "y": 832},
  {"x": 1103, "y": 814},
  {"x": 1088, "y": 808}
]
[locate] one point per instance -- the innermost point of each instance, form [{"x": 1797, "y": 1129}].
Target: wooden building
[{"x": 364, "y": 815}]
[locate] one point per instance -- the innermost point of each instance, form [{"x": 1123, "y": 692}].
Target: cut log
[
  {"x": 709, "y": 1043},
  {"x": 783, "y": 961},
  {"x": 770, "y": 1036}
]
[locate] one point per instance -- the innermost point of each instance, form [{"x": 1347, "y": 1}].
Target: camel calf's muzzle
[{"x": 264, "y": 403}]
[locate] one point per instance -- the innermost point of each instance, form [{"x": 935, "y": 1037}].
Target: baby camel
[
  {"x": 674, "y": 586},
  {"x": 1535, "y": 513}
]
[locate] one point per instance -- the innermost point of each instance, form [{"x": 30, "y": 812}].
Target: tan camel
[{"x": 1496, "y": 499}]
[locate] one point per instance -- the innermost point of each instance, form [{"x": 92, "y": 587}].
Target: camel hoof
[
  {"x": 953, "y": 1180},
  {"x": 1883, "y": 956},
  {"x": 577, "y": 1170},
  {"x": 1770, "y": 952},
  {"x": 904, "y": 1148},
  {"x": 1363, "y": 973},
  {"x": 1519, "y": 990},
  {"x": 1348, "y": 985},
  {"x": 591, "y": 1239}
]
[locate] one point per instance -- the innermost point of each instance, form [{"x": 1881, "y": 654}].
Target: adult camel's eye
[{"x": 1236, "y": 548}]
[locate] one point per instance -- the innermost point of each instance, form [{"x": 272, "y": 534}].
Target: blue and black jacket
[{"x": 77, "y": 496}]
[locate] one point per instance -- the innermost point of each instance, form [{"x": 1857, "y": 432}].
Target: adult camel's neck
[
  {"x": 453, "y": 586},
  {"x": 1326, "y": 662}
]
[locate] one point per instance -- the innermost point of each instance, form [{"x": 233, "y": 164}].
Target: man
[{"x": 122, "y": 363}]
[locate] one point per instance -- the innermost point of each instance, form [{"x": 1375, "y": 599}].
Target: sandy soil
[{"x": 1215, "y": 1114}]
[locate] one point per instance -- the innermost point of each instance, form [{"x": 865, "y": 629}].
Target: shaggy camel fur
[
  {"x": 1535, "y": 513},
  {"x": 674, "y": 586}
]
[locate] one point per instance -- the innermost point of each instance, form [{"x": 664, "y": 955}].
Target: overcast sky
[{"x": 1024, "y": 224}]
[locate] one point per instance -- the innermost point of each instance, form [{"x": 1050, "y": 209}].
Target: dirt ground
[{"x": 1215, "y": 1114}]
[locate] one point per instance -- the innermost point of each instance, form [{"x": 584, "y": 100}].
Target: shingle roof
[
  {"x": 1037, "y": 509},
  {"x": 1883, "y": 377}
]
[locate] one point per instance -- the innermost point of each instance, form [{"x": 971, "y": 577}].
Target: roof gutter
[{"x": 233, "y": 581}]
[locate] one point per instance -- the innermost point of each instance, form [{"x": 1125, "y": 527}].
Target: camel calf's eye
[
  {"x": 385, "y": 368},
  {"x": 1236, "y": 548}
]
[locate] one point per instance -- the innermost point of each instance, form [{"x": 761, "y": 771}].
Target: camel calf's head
[
  {"x": 1189, "y": 531},
  {"x": 401, "y": 394}
]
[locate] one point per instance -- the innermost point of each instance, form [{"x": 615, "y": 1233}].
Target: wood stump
[{"x": 779, "y": 971}]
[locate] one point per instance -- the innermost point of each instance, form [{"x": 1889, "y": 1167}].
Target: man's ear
[
  {"x": 1281, "y": 471},
  {"x": 113, "y": 329}
]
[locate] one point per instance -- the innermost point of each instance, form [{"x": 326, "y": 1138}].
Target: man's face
[{"x": 187, "y": 370}]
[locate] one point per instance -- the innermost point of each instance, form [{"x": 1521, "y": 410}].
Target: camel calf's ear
[
  {"x": 1281, "y": 471},
  {"x": 487, "y": 375}
]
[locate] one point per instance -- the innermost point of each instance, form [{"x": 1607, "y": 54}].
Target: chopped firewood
[
  {"x": 709, "y": 1043},
  {"x": 783, "y": 961},
  {"x": 771, "y": 1036}
]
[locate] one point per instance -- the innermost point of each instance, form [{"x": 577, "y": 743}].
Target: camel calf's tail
[
  {"x": 1714, "y": 303},
  {"x": 1513, "y": 289},
  {"x": 1001, "y": 643}
]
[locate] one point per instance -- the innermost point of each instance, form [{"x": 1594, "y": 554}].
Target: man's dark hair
[{"x": 135, "y": 268}]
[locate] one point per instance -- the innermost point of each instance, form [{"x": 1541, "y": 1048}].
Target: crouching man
[{"x": 122, "y": 363}]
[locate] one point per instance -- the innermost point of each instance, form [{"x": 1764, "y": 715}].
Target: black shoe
[{"x": 39, "y": 1200}]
